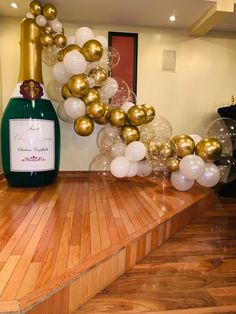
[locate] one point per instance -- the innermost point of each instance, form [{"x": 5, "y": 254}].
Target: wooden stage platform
[{"x": 62, "y": 244}]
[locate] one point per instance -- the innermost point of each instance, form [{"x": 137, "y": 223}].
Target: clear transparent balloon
[
  {"x": 101, "y": 164},
  {"x": 107, "y": 137},
  {"x": 118, "y": 148},
  {"x": 227, "y": 168},
  {"x": 122, "y": 94},
  {"x": 224, "y": 129},
  {"x": 161, "y": 147},
  {"x": 54, "y": 90},
  {"x": 132, "y": 97},
  {"x": 111, "y": 57},
  {"x": 49, "y": 55},
  {"x": 158, "y": 127}
]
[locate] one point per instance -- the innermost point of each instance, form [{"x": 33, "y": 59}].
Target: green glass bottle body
[
  {"x": 30, "y": 155},
  {"x": 30, "y": 133}
]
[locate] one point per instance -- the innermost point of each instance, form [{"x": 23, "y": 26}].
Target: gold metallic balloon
[
  {"x": 154, "y": 147},
  {"x": 209, "y": 149},
  {"x": 35, "y": 7},
  {"x": 96, "y": 110},
  {"x": 66, "y": 93},
  {"x": 130, "y": 134},
  {"x": 49, "y": 11},
  {"x": 46, "y": 39},
  {"x": 185, "y": 145},
  {"x": 136, "y": 115},
  {"x": 150, "y": 112},
  {"x": 72, "y": 47},
  {"x": 167, "y": 149},
  {"x": 47, "y": 29},
  {"x": 60, "y": 55},
  {"x": 99, "y": 75},
  {"x": 78, "y": 84},
  {"x": 83, "y": 126},
  {"x": 92, "y": 96},
  {"x": 117, "y": 117},
  {"x": 60, "y": 40},
  {"x": 173, "y": 164},
  {"x": 105, "y": 117},
  {"x": 92, "y": 50},
  {"x": 63, "y": 52}
]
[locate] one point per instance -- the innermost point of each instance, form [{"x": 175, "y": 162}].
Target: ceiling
[{"x": 153, "y": 13}]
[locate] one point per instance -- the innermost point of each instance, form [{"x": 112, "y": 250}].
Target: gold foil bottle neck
[{"x": 30, "y": 52}]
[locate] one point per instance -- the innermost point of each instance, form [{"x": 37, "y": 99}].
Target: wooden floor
[
  {"x": 62, "y": 244},
  {"x": 193, "y": 273}
]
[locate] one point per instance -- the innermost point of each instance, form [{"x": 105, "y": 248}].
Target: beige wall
[{"x": 204, "y": 80}]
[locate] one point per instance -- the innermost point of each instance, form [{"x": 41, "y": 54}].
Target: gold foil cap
[{"x": 30, "y": 52}]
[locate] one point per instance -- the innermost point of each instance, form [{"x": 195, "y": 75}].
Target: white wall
[{"x": 204, "y": 80}]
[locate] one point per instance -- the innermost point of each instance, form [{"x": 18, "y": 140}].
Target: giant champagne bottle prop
[{"x": 30, "y": 128}]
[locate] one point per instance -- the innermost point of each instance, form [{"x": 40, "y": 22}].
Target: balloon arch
[{"x": 133, "y": 141}]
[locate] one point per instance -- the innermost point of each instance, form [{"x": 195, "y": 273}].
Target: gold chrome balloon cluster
[
  {"x": 90, "y": 95},
  {"x": 190, "y": 158},
  {"x": 131, "y": 141},
  {"x": 46, "y": 17}
]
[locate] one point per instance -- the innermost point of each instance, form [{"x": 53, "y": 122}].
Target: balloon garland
[{"x": 131, "y": 141}]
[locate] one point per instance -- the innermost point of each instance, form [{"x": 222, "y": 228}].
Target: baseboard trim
[
  {"x": 64, "y": 174},
  {"x": 72, "y": 174}
]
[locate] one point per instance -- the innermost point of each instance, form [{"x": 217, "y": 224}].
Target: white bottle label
[{"x": 31, "y": 145}]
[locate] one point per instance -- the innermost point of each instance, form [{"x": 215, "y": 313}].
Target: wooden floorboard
[
  {"x": 62, "y": 244},
  {"x": 193, "y": 273}
]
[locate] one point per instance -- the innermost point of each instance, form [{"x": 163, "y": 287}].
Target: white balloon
[
  {"x": 109, "y": 88},
  {"x": 60, "y": 73},
  {"x": 135, "y": 151},
  {"x": 74, "y": 107},
  {"x": 103, "y": 41},
  {"x": 118, "y": 149},
  {"x": 74, "y": 62},
  {"x": 197, "y": 138},
  {"x": 56, "y": 25},
  {"x": 120, "y": 167},
  {"x": 144, "y": 168},
  {"x": 70, "y": 40},
  {"x": 62, "y": 115},
  {"x": 41, "y": 20},
  {"x": 180, "y": 182},
  {"x": 127, "y": 105},
  {"x": 211, "y": 175},
  {"x": 192, "y": 166},
  {"x": 30, "y": 15},
  {"x": 83, "y": 34},
  {"x": 133, "y": 169}
]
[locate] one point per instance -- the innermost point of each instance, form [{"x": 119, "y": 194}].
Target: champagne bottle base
[{"x": 30, "y": 179}]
